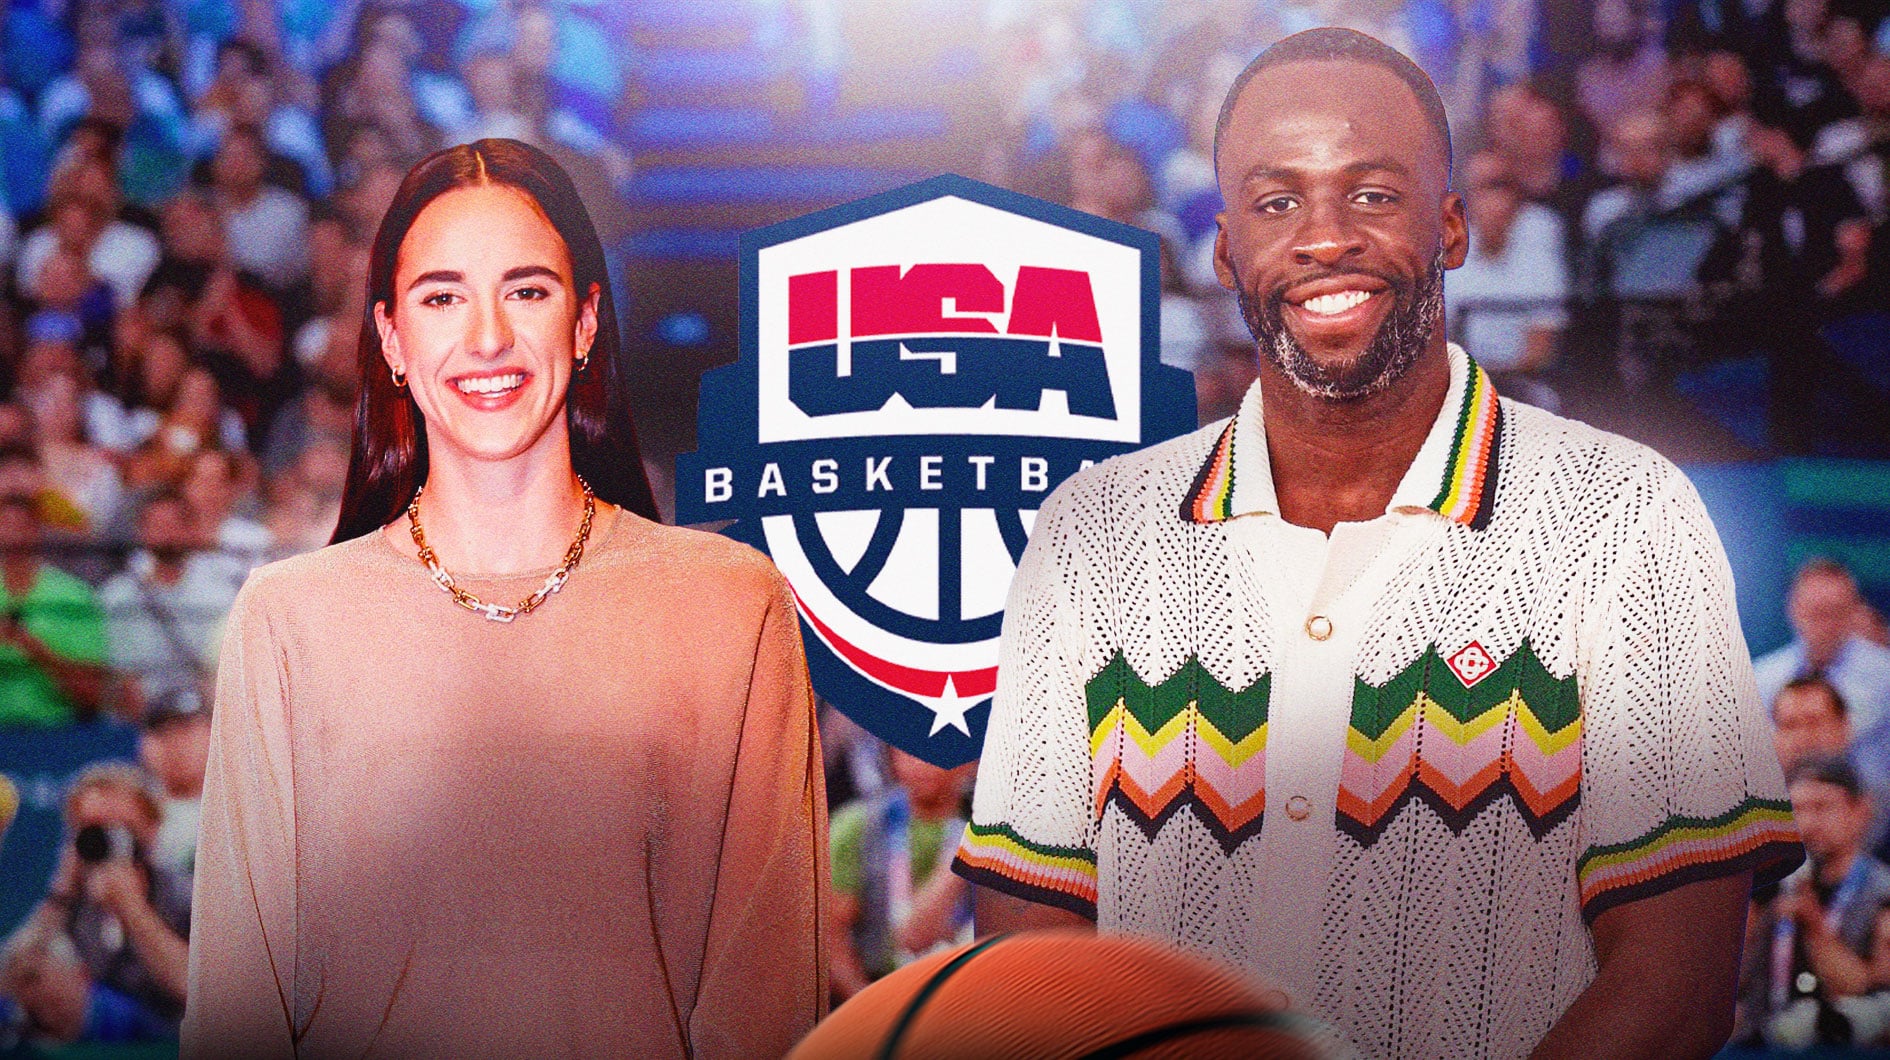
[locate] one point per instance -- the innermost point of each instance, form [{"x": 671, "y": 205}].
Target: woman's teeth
[
  {"x": 1338, "y": 302},
  {"x": 490, "y": 384}
]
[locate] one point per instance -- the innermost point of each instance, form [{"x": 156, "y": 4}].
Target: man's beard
[{"x": 1394, "y": 348}]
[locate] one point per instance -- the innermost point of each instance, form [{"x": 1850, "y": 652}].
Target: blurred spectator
[
  {"x": 1506, "y": 300},
  {"x": 215, "y": 484},
  {"x": 80, "y": 471},
  {"x": 1639, "y": 156},
  {"x": 245, "y": 93},
  {"x": 304, "y": 502},
  {"x": 1858, "y": 148},
  {"x": 1729, "y": 81},
  {"x": 1108, "y": 179},
  {"x": 376, "y": 88},
  {"x": 236, "y": 328},
  {"x": 161, "y": 363},
  {"x": 1822, "y": 608},
  {"x": 492, "y": 82},
  {"x": 1795, "y": 261},
  {"x": 1628, "y": 70},
  {"x": 163, "y": 612},
  {"x": 332, "y": 298},
  {"x": 47, "y": 998},
  {"x": 1530, "y": 132},
  {"x": 895, "y": 897},
  {"x": 1810, "y": 944},
  {"x": 52, "y": 637},
  {"x": 1702, "y": 172},
  {"x": 175, "y": 748},
  {"x": 128, "y": 917},
  {"x": 21, "y": 475},
  {"x": 194, "y": 418},
  {"x": 73, "y": 307},
  {"x": 117, "y": 252},
  {"x": 1872, "y": 627},
  {"x": 104, "y": 85},
  {"x": 266, "y": 227},
  {"x": 1799, "y": 92},
  {"x": 325, "y": 409},
  {"x": 1810, "y": 721},
  {"x": 1185, "y": 334}
]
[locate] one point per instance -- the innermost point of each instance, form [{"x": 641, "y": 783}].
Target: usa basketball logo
[{"x": 917, "y": 371}]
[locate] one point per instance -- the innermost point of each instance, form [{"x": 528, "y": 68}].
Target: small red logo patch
[{"x": 1471, "y": 664}]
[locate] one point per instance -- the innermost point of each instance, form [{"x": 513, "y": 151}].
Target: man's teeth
[
  {"x": 1337, "y": 302},
  {"x": 490, "y": 384}
]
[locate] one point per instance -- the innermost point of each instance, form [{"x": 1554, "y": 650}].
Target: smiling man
[{"x": 1429, "y": 707}]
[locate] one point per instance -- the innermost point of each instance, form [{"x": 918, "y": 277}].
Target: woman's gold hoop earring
[
  {"x": 400, "y": 378},
  {"x": 583, "y": 361}
]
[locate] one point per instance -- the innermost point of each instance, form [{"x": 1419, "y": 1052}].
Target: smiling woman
[{"x": 510, "y": 769}]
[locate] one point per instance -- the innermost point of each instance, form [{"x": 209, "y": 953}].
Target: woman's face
[{"x": 486, "y": 323}]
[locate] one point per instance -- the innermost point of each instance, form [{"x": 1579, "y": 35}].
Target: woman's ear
[
  {"x": 586, "y": 332},
  {"x": 390, "y": 339}
]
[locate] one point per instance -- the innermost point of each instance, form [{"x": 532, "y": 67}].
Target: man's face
[
  {"x": 1808, "y": 725},
  {"x": 1642, "y": 149},
  {"x": 1338, "y": 224},
  {"x": 164, "y": 528},
  {"x": 177, "y": 753},
  {"x": 1829, "y": 818},
  {"x": 239, "y": 164},
  {"x": 1822, "y": 609},
  {"x": 109, "y": 806}
]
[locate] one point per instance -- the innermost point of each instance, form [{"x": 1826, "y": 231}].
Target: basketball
[{"x": 1056, "y": 995}]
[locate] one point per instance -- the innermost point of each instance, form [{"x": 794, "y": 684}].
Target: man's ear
[
  {"x": 1456, "y": 231},
  {"x": 1223, "y": 265}
]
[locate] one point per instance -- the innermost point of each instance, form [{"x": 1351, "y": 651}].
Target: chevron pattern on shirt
[
  {"x": 1424, "y": 736},
  {"x": 1187, "y": 740}
]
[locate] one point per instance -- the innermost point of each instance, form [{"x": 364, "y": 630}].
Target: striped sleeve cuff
[
  {"x": 1755, "y": 835},
  {"x": 996, "y": 856}
]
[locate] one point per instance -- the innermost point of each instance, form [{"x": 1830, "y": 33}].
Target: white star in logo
[{"x": 948, "y": 708}]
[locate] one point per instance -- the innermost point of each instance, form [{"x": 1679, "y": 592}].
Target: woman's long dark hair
[{"x": 389, "y": 458}]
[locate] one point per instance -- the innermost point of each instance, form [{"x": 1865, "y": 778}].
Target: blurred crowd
[
  {"x": 188, "y": 189},
  {"x": 1652, "y": 186},
  {"x": 187, "y": 194}
]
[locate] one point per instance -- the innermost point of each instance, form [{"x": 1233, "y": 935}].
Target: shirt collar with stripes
[{"x": 1454, "y": 473}]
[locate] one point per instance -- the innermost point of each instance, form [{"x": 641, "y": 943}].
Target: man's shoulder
[
  {"x": 1868, "y": 659},
  {"x": 1152, "y": 479},
  {"x": 1579, "y": 466},
  {"x": 55, "y": 584},
  {"x": 1876, "y": 883},
  {"x": 1785, "y": 659},
  {"x": 118, "y": 592}
]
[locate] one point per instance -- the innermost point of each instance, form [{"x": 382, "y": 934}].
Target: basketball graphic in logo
[{"x": 918, "y": 370}]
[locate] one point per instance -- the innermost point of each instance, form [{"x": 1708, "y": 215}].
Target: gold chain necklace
[{"x": 495, "y": 612}]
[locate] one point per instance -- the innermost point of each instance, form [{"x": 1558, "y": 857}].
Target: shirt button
[
  {"x": 1319, "y": 627},
  {"x": 1299, "y": 807}
]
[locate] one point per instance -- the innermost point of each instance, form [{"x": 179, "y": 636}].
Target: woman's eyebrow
[
  {"x": 454, "y": 276},
  {"x": 437, "y": 276},
  {"x": 523, "y": 271}
]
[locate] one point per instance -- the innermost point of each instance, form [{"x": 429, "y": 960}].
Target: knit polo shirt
[{"x": 1398, "y": 770}]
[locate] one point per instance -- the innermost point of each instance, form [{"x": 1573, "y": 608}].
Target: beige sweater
[{"x": 599, "y": 830}]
